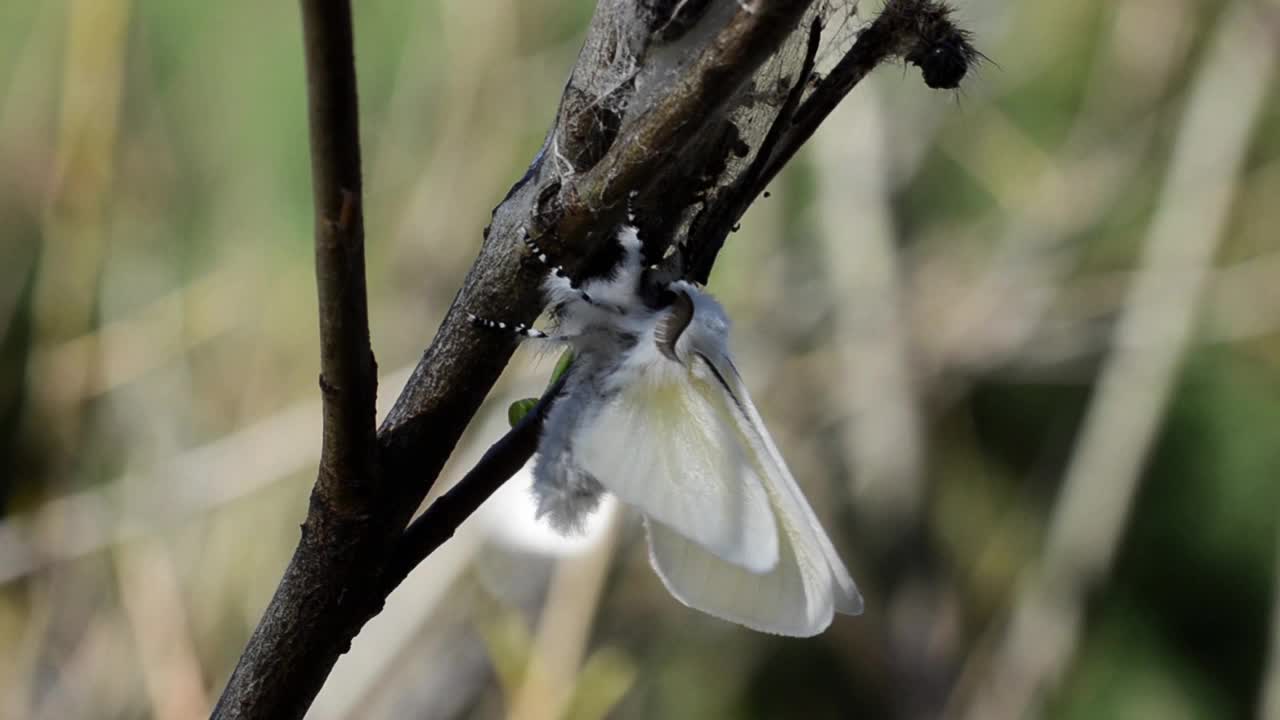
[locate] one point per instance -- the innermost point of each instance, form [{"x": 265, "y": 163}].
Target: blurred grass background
[{"x": 1019, "y": 343}]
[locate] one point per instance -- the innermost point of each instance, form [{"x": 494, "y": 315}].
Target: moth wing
[
  {"x": 798, "y": 596},
  {"x": 666, "y": 447},
  {"x": 791, "y": 599}
]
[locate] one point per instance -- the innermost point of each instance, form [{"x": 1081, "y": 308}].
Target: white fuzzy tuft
[{"x": 568, "y": 500}]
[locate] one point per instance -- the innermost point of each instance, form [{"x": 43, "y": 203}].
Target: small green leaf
[
  {"x": 519, "y": 409},
  {"x": 562, "y": 364}
]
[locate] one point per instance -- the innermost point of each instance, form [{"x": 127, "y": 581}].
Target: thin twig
[
  {"x": 305, "y": 627},
  {"x": 733, "y": 203},
  {"x": 902, "y": 28},
  {"x": 501, "y": 461},
  {"x": 912, "y": 29},
  {"x": 348, "y": 373}
]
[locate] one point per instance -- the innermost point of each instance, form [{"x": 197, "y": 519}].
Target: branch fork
[{"x": 357, "y": 542}]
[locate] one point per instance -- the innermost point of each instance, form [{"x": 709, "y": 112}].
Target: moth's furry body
[
  {"x": 612, "y": 335},
  {"x": 654, "y": 411}
]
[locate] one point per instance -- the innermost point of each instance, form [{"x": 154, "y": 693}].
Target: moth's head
[{"x": 690, "y": 322}]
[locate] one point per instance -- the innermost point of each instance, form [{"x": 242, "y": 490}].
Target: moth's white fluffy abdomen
[
  {"x": 567, "y": 504},
  {"x": 565, "y": 493}
]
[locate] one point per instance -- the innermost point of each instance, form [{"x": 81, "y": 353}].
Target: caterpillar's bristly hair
[{"x": 943, "y": 52}]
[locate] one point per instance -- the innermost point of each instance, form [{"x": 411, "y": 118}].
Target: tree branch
[
  {"x": 607, "y": 140},
  {"x": 457, "y": 370},
  {"x": 299, "y": 637},
  {"x": 348, "y": 372},
  {"x": 666, "y": 129},
  {"x": 920, "y": 31},
  {"x": 738, "y": 197}
]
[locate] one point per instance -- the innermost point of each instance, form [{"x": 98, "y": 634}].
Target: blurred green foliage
[{"x": 139, "y": 544}]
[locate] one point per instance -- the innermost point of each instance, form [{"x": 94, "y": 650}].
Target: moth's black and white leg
[
  {"x": 519, "y": 330},
  {"x": 541, "y": 254},
  {"x": 632, "y": 264},
  {"x": 514, "y": 328},
  {"x": 633, "y": 217},
  {"x": 558, "y": 285}
]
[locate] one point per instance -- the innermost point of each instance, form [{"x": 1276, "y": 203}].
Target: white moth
[{"x": 654, "y": 411}]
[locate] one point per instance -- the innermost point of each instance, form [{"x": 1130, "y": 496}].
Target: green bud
[
  {"x": 519, "y": 409},
  {"x": 562, "y": 364}
]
